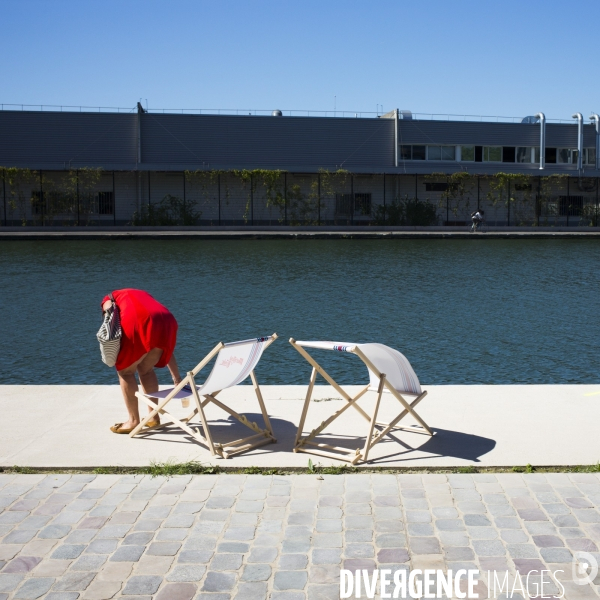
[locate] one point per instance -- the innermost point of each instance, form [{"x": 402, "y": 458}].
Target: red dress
[{"x": 146, "y": 325}]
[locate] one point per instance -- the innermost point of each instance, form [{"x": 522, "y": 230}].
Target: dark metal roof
[
  {"x": 492, "y": 134},
  {"x": 267, "y": 142},
  {"x": 57, "y": 140},
  {"x": 171, "y": 142}
]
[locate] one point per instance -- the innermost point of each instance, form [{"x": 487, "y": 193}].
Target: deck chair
[
  {"x": 389, "y": 371},
  {"x": 235, "y": 361}
]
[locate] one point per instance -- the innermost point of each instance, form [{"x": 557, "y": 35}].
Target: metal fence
[
  {"x": 267, "y": 112},
  {"x": 268, "y": 198}
]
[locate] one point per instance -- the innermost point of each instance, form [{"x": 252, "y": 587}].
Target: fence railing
[{"x": 346, "y": 114}]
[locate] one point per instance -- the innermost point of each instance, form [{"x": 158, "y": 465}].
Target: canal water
[{"x": 462, "y": 311}]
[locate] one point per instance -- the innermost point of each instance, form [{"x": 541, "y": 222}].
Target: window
[
  {"x": 413, "y": 152},
  {"x": 467, "y": 153},
  {"x": 523, "y": 155},
  {"x": 589, "y": 156},
  {"x": 551, "y": 155},
  {"x": 567, "y": 156},
  {"x": 405, "y": 152},
  {"x": 478, "y": 153},
  {"x": 434, "y": 153},
  {"x": 106, "y": 204},
  {"x": 343, "y": 205},
  {"x": 448, "y": 152},
  {"x": 38, "y": 200},
  {"x": 418, "y": 152},
  {"x": 508, "y": 154},
  {"x": 441, "y": 153},
  {"x": 563, "y": 155},
  {"x": 436, "y": 187},
  {"x": 492, "y": 154},
  {"x": 362, "y": 204},
  {"x": 570, "y": 205}
]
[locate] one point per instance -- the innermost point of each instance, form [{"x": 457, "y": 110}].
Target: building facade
[{"x": 112, "y": 168}]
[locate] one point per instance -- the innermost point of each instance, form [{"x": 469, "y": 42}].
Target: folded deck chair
[
  {"x": 389, "y": 371},
  {"x": 235, "y": 361}
]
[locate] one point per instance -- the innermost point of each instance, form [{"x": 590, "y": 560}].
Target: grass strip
[{"x": 170, "y": 469}]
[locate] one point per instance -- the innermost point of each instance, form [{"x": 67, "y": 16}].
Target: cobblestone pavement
[{"x": 220, "y": 537}]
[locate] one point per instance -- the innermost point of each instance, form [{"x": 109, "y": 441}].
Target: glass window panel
[
  {"x": 574, "y": 156},
  {"x": 467, "y": 153},
  {"x": 492, "y": 153},
  {"x": 448, "y": 153},
  {"x": 537, "y": 154},
  {"x": 508, "y": 154},
  {"x": 405, "y": 152},
  {"x": 523, "y": 155},
  {"x": 495, "y": 153},
  {"x": 434, "y": 153},
  {"x": 418, "y": 152},
  {"x": 591, "y": 156},
  {"x": 563, "y": 155}
]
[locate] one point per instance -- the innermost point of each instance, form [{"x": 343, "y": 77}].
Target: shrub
[
  {"x": 171, "y": 210},
  {"x": 412, "y": 212}
]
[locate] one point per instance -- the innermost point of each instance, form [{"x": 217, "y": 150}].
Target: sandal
[
  {"x": 153, "y": 423},
  {"x": 116, "y": 428}
]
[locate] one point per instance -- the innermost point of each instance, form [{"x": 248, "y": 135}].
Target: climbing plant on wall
[
  {"x": 261, "y": 179},
  {"x": 86, "y": 180},
  {"x": 513, "y": 191},
  {"x": 549, "y": 189},
  {"x": 18, "y": 183},
  {"x": 206, "y": 182},
  {"x": 529, "y": 200},
  {"x": 459, "y": 193}
]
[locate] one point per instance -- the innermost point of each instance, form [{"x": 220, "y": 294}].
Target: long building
[{"x": 69, "y": 167}]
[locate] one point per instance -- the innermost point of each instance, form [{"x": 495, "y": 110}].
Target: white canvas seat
[
  {"x": 389, "y": 371},
  {"x": 234, "y": 363}
]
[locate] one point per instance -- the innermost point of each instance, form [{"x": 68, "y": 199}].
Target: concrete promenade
[
  {"x": 289, "y": 232},
  {"x": 226, "y": 537},
  {"x": 68, "y": 426}
]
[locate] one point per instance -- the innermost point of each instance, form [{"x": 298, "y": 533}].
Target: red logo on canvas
[{"x": 234, "y": 360}]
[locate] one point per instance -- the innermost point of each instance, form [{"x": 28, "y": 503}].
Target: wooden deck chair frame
[
  {"x": 260, "y": 437},
  {"x": 376, "y": 430}
]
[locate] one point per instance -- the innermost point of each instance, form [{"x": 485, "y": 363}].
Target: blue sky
[{"x": 491, "y": 58}]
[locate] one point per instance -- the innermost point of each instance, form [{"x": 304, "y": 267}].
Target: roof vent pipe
[
  {"x": 542, "y": 117},
  {"x": 579, "y": 118},
  {"x": 396, "y": 137},
  {"x": 595, "y": 118}
]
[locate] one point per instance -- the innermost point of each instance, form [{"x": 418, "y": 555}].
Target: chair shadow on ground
[
  {"x": 228, "y": 430},
  {"x": 445, "y": 443},
  {"x": 398, "y": 445}
]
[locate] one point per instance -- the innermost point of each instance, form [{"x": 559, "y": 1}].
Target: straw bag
[{"x": 109, "y": 334}]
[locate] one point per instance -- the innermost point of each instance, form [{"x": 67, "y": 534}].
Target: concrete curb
[{"x": 287, "y": 232}]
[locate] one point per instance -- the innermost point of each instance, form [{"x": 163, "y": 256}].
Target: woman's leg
[
  {"x": 147, "y": 374},
  {"x": 129, "y": 385}
]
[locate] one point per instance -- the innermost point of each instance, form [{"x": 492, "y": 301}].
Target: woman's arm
[{"x": 174, "y": 369}]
